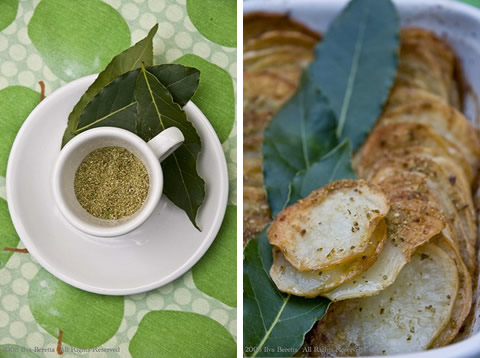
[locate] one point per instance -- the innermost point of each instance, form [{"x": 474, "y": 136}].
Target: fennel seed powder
[{"x": 111, "y": 183}]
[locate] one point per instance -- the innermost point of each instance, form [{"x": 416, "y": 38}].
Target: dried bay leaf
[
  {"x": 157, "y": 111},
  {"x": 130, "y": 59},
  {"x": 274, "y": 319},
  {"x": 116, "y": 106}
]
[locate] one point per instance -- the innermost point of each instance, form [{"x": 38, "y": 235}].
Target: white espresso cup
[{"x": 71, "y": 156}]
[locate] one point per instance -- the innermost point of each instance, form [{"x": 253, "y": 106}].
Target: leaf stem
[
  {"x": 103, "y": 118},
  {"x": 272, "y": 326},
  {"x": 11, "y": 249},
  {"x": 59, "y": 342}
]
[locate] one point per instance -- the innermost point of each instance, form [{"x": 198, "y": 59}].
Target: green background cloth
[{"x": 57, "y": 41}]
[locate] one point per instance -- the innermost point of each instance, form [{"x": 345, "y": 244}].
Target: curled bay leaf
[
  {"x": 157, "y": 111},
  {"x": 130, "y": 59}
]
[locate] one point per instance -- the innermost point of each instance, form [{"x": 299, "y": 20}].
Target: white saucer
[{"x": 162, "y": 249}]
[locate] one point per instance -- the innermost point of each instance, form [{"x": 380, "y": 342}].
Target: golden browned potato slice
[
  {"x": 398, "y": 179},
  {"x": 275, "y": 38},
  {"x": 331, "y": 226},
  {"x": 411, "y": 222},
  {"x": 265, "y": 91},
  {"x": 463, "y": 301},
  {"x": 287, "y": 65},
  {"x": 256, "y": 213},
  {"x": 444, "y": 120},
  {"x": 394, "y": 136},
  {"x": 264, "y": 94},
  {"x": 426, "y": 41},
  {"x": 417, "y": 67},
  {"x": 445, "y": 182},
  {"x": 314, "y": 283},
  {"x": 257, "y": 23},
  {"x": 252, "y": 172},
  {"x": 297, "y": 52},
  {"x": 405, "y": 317},
  {"x": 400, "y": 95}
]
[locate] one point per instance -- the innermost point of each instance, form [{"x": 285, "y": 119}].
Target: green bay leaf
[
  {"x": 272, "y": 319},
  {"x": 115, "y": 105},
  {"x": 333, "y": 166},
  {"x": 181, "y": 81},
  {"x": 299, "y": 135},
  {"x": 130, "y": 59},
  {"x": 355, "y": 65},
  {"x": 157, "y": 111}
]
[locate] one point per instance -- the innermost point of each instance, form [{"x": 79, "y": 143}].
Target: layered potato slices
[
  {"x": 276, "y": 51},
  {"x": 395, "y": 250}
]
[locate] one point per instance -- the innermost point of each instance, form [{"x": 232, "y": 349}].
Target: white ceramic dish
[
  {"x": 162, "y": 249},
  {"x": 460, "y": 25}
]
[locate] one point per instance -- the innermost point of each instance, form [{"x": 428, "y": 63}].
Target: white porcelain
[
  {"x": 460, "y": 25},
  {"x": 75, "y": 151},
  {"x": 166, "y": 246}
]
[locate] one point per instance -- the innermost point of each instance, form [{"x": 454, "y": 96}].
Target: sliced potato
[
  {"x": 393, "y": 179},
  {"x": 314, "y": 283},
  {"x": 417, "y": 67},
  {"x": 286, "y": 65},
  {"x": 445, "y": 184},
  {"x": 265, "y": 91},
  {"x": 257, "y": 23},
  {"x": 252, "y": 172},
  {"x": 264, "y": 94},
  {"x": 251, "y": 57},
  {"x": 444, "y": 120},
  {"x": 405, "y": 317},
  {"x": 276, "y": 38},
  {"x": 463, "y": 301},
  {"x": 395, "y": 136},
  {"x": 400, "y": 95},
  {"x": 411, "y": 222},
  {"x": 331, "y": 226},
  {"x": 256, "y": 213},
  {"x": 443, "y": 54}
]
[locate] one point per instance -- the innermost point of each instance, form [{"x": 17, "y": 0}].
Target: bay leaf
[
  {"x": 156, "y": 111},
  {"x": 115, "y": 105},
  {"x": 355, "y": 65},
  {"x": 273, "y": 319},
  {"x": 181, "y": 81},
  {"x": 130, "y": 59},
  {"x": 333, "y": 166},
  {"x": 299, "y": 135}
]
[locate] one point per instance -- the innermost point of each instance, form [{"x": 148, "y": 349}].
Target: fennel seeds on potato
[{"x": 111, "y": 183}]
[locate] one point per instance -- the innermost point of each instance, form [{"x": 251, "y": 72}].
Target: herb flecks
[{"x": 111, "y": 183}]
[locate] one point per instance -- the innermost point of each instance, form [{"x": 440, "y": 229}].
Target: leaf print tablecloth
[{"x": 57, "y": 41}]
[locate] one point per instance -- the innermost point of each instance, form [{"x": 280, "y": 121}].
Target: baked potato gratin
[{"x": 395, "y": 250}]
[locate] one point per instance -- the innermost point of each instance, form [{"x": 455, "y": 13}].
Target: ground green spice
[{"x": 111, "y": 183}]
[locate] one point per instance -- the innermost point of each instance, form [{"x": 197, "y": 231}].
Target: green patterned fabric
[{"x": 55, "y": 42}]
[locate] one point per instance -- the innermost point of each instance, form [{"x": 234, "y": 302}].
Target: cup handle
[{"x": 166, "y": 142}]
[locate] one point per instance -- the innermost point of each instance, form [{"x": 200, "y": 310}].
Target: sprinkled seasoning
[{"x": 111, "y": 183}]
